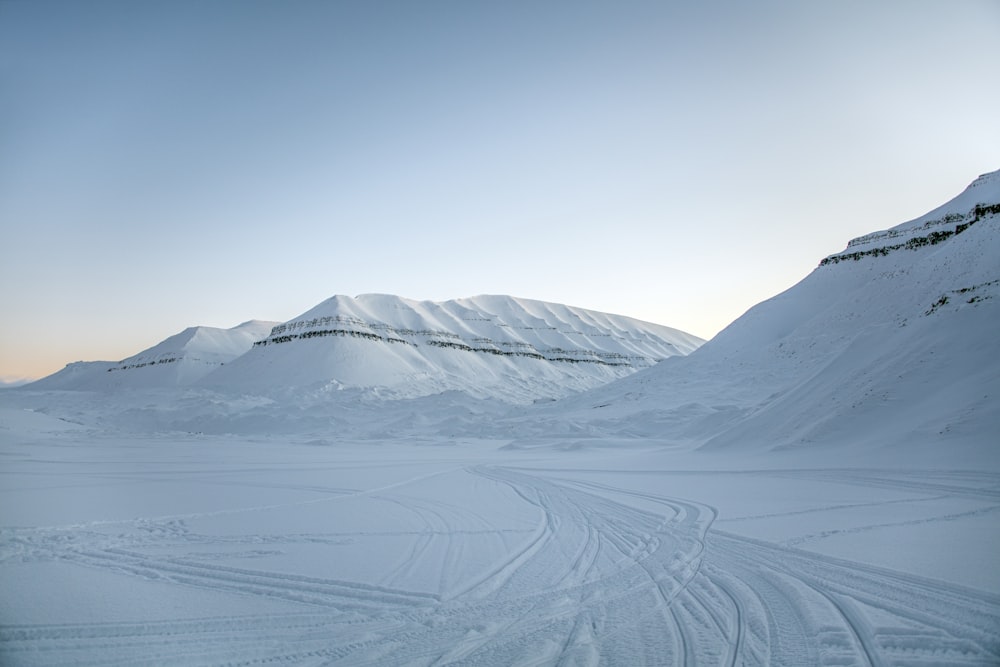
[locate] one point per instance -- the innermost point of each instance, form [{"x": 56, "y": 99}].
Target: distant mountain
[
  {"x": 487, "y": 346},
  {"x": 180, "y": 360},
  {"x": 893, "y": 341}
]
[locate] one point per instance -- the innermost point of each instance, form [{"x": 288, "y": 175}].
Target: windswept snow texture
[
  {"x": 184, "y": 549},
  {"x": 488, "y": 346},
  {"x": 818, "y": 485},
  {"x": 179, "y": 360}
]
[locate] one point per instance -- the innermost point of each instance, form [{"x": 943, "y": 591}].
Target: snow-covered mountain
[
  {"x": 181, "y": 359},
  {"x": 891, "y": 341},
  {"x": 271, "y": 513},
  {"x": 894, "y": 340},
  {"x": 501, "y": 346},
  {"x": 486, "y": 346}
]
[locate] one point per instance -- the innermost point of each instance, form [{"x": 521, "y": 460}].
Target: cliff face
[{"x": 932, "y": 232}]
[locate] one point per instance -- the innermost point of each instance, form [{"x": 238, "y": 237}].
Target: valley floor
[{"x": 187, "y": 549}]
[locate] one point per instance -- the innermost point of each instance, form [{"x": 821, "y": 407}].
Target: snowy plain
[
  {"x": 171, "y": 548},
  {"x": 817, "y": 485}
]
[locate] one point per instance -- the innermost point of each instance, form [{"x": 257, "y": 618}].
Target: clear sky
[{"x": 174, "y": 163}]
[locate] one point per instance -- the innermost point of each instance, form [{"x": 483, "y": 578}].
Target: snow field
[
  {"x": 218, "y": 550},
  {"x": 378, "y": 483}
]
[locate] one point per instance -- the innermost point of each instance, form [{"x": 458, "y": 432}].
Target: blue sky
[{"x": 166, "y": 164}]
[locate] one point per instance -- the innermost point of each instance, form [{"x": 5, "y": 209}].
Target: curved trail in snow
[{"x": 607, "y": 575}]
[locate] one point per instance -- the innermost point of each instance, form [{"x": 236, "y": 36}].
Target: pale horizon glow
[{"x": 171, "y": 164}]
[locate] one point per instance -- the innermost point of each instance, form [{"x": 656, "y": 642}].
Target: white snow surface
[{"x": 818, "y": 485}]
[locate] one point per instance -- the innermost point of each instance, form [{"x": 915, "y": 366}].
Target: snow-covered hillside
[
  {"x": 892, "y": 341},
  {"x": 180, "y": 360},
  {"x": 702, "y": 510},
  {"x": 487, "y": 346}
]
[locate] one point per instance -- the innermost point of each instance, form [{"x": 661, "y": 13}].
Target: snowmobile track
[{"x": 607, "y": 575}]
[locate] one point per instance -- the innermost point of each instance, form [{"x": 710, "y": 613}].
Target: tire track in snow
[
  {"x": 801, "y": 539},
  {"x": 857, "y": 626},
  {"x": 572, "y": 514},
  {"x": 631, "y": 533},
  {"x": 832, "y": 508},
  {"x": 310, "y": 590},
  {"x": 967, "y": 484},
  {"x": 734, "y": 634},
  {"x": 241, "y": 510},
  {"x": 937, "y": 617},
  {"x": 597, "y": 577}
]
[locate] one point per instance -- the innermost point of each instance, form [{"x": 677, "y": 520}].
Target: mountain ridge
[
  {"x": 884, "y": 350},
  {"x": 875, "y": 351},
  {"x": 488, "y": 345},
  {"x": 178, "y": 360}
]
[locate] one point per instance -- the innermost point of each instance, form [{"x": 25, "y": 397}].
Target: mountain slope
[
  {"x": 892, "y": 341},
  {"x": 518, "y": 349},
  {"x": 179, "y": 360}
]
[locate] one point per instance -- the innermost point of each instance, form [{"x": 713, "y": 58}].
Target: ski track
[{"x": 608, "y": 575}]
